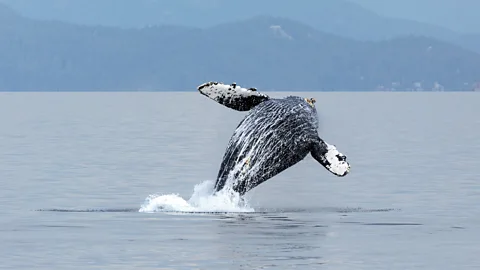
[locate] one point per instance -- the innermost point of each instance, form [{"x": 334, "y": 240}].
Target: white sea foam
[{"x": 201, "y": 201}]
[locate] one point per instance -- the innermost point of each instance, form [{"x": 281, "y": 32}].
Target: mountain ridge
[
  {"x": 340, "y": 17},
  {"x": 271, "y": 53}
]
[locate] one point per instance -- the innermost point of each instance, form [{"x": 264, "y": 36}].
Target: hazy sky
[{"x": 459, "y": 15}]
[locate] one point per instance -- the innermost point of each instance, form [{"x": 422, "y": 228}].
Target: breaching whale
[{"x": 274, "y": 135}]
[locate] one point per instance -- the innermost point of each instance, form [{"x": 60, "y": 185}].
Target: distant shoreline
[{"x": 265, "y": 91}]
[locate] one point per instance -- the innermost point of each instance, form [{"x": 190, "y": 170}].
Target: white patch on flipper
[
  {"x": 218, "y": 91},
  {"x": 338, "y": 161}
]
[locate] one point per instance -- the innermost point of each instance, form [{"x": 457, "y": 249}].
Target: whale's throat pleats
[{"x": 273, "y": 137}]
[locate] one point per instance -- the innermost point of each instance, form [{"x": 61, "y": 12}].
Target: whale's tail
[{"x": 232, "y": 96}]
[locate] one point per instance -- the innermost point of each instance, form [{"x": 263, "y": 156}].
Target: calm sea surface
[{"x": 88, "y": 161}]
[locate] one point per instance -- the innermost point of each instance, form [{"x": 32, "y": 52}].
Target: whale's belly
[{"x": 271, "y": 138}]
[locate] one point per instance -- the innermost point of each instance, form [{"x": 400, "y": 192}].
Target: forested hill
[{"x": 264, "y": 52}]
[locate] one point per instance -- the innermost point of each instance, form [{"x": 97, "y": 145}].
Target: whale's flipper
[
  {"x": 232, "y": 96},
  {"x": 328, "y": 155}
]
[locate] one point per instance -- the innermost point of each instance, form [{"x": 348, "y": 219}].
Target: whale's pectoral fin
[
  {"x": 328, "y": 155},
  {"x": 232, "y": 96}
]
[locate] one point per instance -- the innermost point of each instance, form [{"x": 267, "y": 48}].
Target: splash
[{"x": 202, "y": 201}]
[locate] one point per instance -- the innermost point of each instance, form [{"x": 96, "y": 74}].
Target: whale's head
[{"x": 335, "y": 162}]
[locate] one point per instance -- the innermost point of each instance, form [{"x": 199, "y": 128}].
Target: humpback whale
[{"x": 276, "y": 134}]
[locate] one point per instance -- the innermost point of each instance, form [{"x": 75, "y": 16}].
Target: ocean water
[{"x": 121, "y": 181}]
